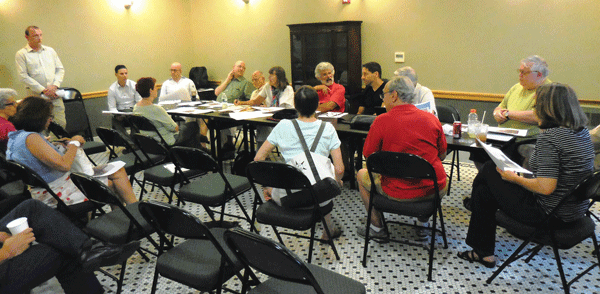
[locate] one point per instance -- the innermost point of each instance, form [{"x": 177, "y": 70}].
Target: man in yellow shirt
[{"x": 516, "y": 109}]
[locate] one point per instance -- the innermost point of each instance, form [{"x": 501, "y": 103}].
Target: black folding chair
[
  {"x": 119, "y": 226},
  {"x": 142, "y": 124},
  {"x": 78, "y": 122},
  {"x": 404, "y": 166},
  {"x": 554, "y": 232},
  {"x": 287, "y": 177},
  {"x": 203, "y": 261},
  {"x": 159, "y": 173},
  {"x": 77, "y": 213},
  {"x": 289, "y": 274},
  {"x": 215, "y": 188}
]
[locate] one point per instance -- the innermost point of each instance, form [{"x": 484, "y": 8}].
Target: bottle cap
[{"x": 473, "y": 110}]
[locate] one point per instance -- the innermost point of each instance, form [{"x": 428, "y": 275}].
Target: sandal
[{"x": 472, "y": 256}]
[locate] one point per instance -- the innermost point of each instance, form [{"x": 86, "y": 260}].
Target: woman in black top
[{"x": 563, "y": 155}]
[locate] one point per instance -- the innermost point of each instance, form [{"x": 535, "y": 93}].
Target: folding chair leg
[
  {"x": 121, "y": 277},
  {"x": 330, "y": 241},
  {"x": 154, "y": 282},
  {"x": 510, "y": 259},
  {"x": 311, "y": 243},
  {"x": 443, "y": 227},
  {"x": 369, "y": 212}
]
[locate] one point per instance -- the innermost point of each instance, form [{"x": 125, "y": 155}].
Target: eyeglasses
[
  {"x": 10, "y": 104},
  {"x": 522, "y": 72},
  {"x": 382, "y": 95}
]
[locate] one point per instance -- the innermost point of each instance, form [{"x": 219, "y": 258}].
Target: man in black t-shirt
[{"x": 371, "y": 95}]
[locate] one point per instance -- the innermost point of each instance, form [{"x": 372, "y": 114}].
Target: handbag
[
  {"x": 362, "y": 122},
  {"x": 320, "y": 172}
]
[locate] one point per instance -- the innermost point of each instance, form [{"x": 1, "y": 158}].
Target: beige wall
[
  {"x": 92, "y": 36},
  {"x": 454, "y": 45}
]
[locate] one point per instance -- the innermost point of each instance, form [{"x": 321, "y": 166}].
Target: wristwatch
[
  {"x": 76, "y": 143},
  {"x": 506, "y": 115}
]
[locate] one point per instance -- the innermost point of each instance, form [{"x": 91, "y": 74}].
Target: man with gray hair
[
  {"x": 422, "y": 93},
  {"x": 42, "y": 72},
  {"x": 516, "y": 109},
  {"x": 403, "y": 128},
  {"x": 331, "y": 95},
  {"x": 8, "y": 108}
]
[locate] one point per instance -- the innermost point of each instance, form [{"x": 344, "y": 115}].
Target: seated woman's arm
[
  {"x": 338, "y": 164},
  {"x": 264, "y": 150},
  {"x": 50, "y": 157},
  {"x": 544, "y": 186},
  {"x": 258, "y": 100}
]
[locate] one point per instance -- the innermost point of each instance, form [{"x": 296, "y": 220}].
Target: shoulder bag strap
[{"x": 306, "y": 151}]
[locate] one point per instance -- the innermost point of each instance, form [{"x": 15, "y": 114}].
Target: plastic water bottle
[{"x": 473, "y": 123}]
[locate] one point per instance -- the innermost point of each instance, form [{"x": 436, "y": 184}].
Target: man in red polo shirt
[
  {"x": 331, "y": 95},
  {"x": 403, "y": 128}
]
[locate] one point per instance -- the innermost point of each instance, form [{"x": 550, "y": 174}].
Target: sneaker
[
  {"x": 381, "y": 236},
  {"x": 420, "y": 232}
]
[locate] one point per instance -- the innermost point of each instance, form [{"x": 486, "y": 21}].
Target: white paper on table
[
  {"x": 508, "y": 131},
  {"x": 248, "y": 115},
  {"x": 108, "y": 169},
  {"x": 332, "y": 114},
  {"x": 267, "y": 109},
  {"x": 171, "y": 167},
  {"x": 499, "y": 137},
  {"x": 189, "y": 110},
  {"x": 192, "y": 103},
  {"x": 116, "y": 112},
  {"x": 501, "y": 160}
]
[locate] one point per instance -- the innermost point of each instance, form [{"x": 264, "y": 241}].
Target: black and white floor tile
[{"x": 392, "y": 267}]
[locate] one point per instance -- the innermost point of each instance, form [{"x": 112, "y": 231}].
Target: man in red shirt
[
  {"x": 403, "y": 128},
  {"x": 331, "y": 95}
]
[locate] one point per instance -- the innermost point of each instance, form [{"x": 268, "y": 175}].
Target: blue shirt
[{"x": 17, "y": 151}]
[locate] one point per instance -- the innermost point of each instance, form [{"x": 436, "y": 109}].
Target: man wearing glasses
[{"x": 516, "y": 109}]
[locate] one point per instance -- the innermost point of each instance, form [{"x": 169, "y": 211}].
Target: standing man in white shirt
[
  {"x": 122, "y": 96},
  {"x": 40, "y": 69},
  {"x": 176, "y": 82}
]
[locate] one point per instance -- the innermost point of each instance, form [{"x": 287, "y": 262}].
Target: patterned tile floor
[{"x": 394, "y": 268}]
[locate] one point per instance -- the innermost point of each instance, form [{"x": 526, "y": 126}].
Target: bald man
[
  {"x": 258, "y": 81},
  {"x": 177, "y": 81},
  {"x": 235, "y": 86}
]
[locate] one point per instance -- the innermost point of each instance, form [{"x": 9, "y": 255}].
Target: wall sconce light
[
  {"x": 246, "y": 1},
  {"x": 128, "y": 4},
  {"x": 345, "y": 1}
]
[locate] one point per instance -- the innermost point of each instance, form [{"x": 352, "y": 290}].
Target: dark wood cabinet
[{"x": 336, "y": 42}]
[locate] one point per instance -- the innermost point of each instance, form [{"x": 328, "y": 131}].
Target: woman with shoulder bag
[{"x": 284, "y": 136}]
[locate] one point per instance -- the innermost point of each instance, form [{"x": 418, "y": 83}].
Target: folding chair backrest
[
  {"x": 58, "y": 130},
  {"x": 587, "y": 189},
  {"x": 447, "y": 114},
  {"x": 77, "y": 118},
  {"x": 95, "y": 190},
  {"x": 140, "y": 123},
  {"x": 276, "y": 175},
  {"x": 31, "y": 178},
  {"x": 150, "y": 146},
  {"x": 400, "y": 165},
  {"x": 269, "y": 257},
  {"x": 111, "y": 138},
  {"x": 194, "y": 159},
  {"x": 173, "y": 220}
]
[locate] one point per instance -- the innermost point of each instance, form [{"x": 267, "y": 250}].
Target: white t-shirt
[
  {"x": 286, "y": 99},
  {"x": 284, "y": 136},
  {"x": 170, "y": 86}
]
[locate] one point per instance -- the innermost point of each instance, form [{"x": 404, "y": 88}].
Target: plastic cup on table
[{"x": 482, "y": 131}]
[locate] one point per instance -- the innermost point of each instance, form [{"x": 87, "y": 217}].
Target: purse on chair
[{"x": 322, "y": 178}]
